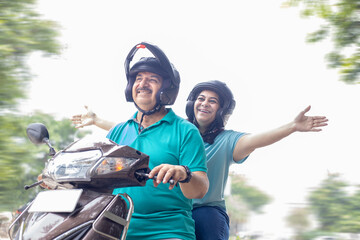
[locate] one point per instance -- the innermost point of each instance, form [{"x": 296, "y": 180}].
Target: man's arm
[{"x": 196, "y": 188}]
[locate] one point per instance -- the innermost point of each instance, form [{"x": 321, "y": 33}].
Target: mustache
[{"x": 144, "y": 89}]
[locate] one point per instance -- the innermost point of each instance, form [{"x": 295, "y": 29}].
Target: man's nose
[{"x": 144, "y": 82}]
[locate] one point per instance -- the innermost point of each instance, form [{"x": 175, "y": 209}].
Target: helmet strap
[
  {"x": 211, "y": 133},
  {"x": 157, "y": 108}
]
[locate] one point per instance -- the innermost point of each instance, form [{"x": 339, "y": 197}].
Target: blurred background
[{"x": 277, "y": 57}]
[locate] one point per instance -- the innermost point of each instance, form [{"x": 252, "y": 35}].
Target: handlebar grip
[
  {"x": 171, "y": 181},
  {"x": 146, "y": 176}
]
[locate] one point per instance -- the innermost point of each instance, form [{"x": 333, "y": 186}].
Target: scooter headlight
[{"x": 73, "y": 165}]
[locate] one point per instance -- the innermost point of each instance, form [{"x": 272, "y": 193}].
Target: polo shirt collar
[{"x": 169, "y": 117}]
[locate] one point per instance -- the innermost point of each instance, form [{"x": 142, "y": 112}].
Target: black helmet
[
  {"x": 227, "y": 102},
  {"x": 160, "y": 65}
]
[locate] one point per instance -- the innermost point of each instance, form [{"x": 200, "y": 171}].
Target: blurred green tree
[
  {"x": 342, "y": 25},
  {"x": 299, "y": 220},
  {"x": 336, "y": 206},
  {"x": 22, "y": 32},
  {"x": 243, "y": 200},
  {"x": 238, "y": 212}
]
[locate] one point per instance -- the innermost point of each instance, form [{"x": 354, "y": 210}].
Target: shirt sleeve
[
  {"x": 193, "y": 151},
  {"x": 237, "y": 136},
  {"x": 122, "y": 134}
]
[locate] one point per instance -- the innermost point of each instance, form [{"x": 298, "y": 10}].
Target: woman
[{"x": 209, "y": 106}]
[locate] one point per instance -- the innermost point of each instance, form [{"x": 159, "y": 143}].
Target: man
[{"x": 175, "y": 147}]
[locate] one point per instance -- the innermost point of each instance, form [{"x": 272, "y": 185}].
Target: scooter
[{"x": 81, "y": 178}]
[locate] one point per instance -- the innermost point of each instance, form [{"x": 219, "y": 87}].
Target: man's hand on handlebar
[{"x": 165, "y": 172}]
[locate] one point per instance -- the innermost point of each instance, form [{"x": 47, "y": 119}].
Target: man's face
[{"x": 145, "y": 88}]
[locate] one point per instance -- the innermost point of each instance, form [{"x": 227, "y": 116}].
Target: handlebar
[{"x": 146, "y": 176}]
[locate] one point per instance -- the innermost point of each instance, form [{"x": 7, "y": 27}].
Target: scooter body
[{"x": 80, "y": 204}]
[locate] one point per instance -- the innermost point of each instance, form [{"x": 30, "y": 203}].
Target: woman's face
[{"x": 205, "y": 108}]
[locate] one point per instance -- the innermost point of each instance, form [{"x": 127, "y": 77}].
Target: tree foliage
[
  {"x": 336, "y": 208},
  {"x": 342, "y": 25},
  {"x": 298, "y": 219},
  {"x": 22, "y": 32},
  {"x": 254, "y": 198},
  {"x": 243, "y": 200}
]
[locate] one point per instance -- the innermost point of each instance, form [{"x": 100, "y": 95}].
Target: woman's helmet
[
  {"x": 158, "y": 64},
  {"x": 227, "y": 102}
]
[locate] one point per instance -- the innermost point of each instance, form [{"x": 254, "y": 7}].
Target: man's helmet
[
  {"x": 227, "y": 102},
  {"x": 158, "y": 64}
]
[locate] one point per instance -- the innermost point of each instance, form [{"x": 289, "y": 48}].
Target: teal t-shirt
[
  {"x": 219, "y": 158},
  {"x": 159, "y": 212}
]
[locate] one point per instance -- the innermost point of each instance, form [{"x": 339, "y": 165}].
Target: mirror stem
[{"x": 51, "y": 149}]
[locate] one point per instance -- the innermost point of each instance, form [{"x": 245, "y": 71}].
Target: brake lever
[{"x": 26, "y": 187}]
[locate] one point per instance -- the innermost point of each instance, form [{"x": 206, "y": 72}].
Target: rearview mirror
[{"x": 38, "y": 134}]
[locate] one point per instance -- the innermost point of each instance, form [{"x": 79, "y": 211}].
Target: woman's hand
[
  {"x": 86, "y": 119},
  {"x": 309, "y": 123}
]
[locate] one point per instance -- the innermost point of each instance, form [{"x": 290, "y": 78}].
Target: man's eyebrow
[{"x": 155, "y": 75}]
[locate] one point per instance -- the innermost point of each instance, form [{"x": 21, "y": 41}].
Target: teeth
[{"x": 204, "y": 111}]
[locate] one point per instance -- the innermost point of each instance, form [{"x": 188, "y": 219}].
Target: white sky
[{"x": 256, "y": 47}]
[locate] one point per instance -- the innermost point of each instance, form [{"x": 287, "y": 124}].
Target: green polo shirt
[{"x": 159, "y": 212}]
